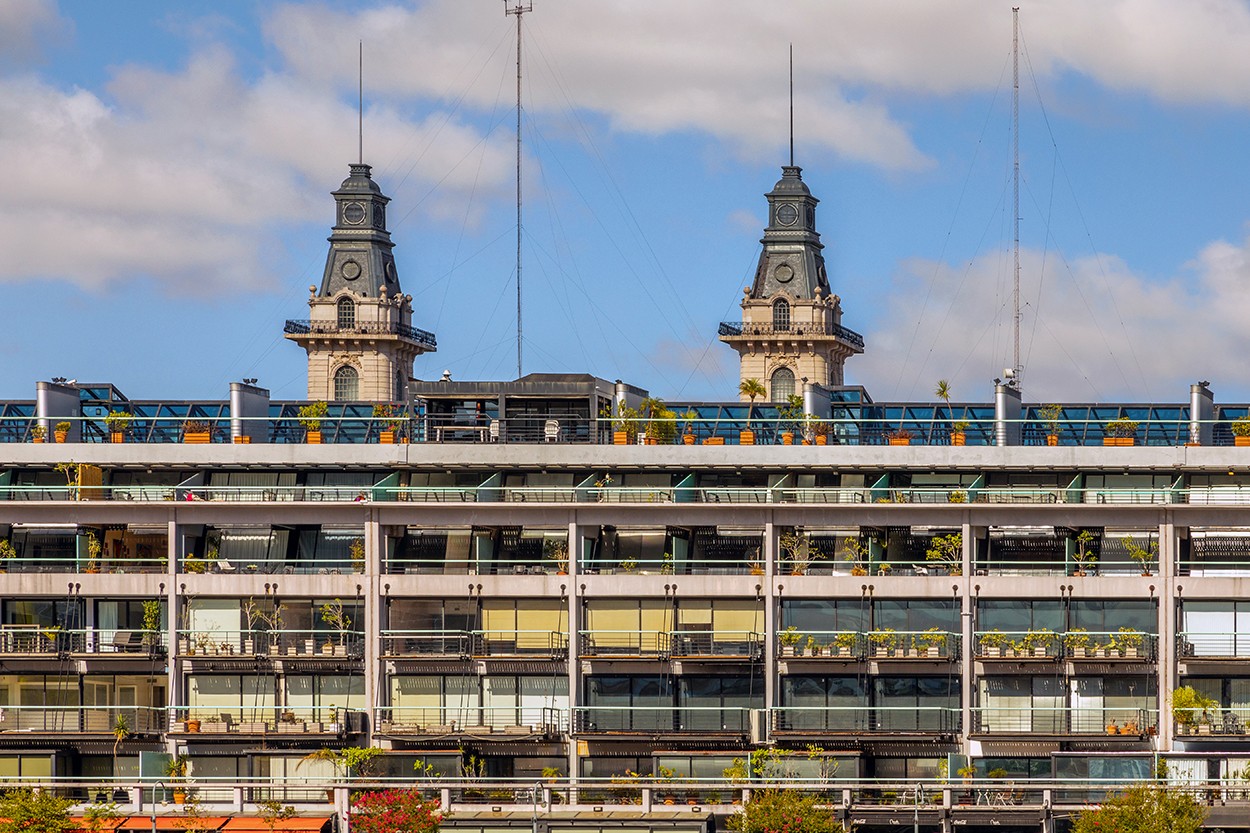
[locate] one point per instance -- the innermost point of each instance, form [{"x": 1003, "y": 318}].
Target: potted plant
[
  {"x": 556, "y": 550},
  {"x": 1076, "y": 641},
  {"x": 348, "y": 762},
  {"x": 1050, "y": 415},
  {"x": 789, "y": 416},
  {"x": 197, "y": 432},
  {"x": 151, "y": 623},
  {"x": 94, "y": 549},
  {"x": 1037, "y": 643},
  {"x": 625, "y": 426},
  {"x": 310, "y": 417},
  {"x": 750, "y": 388},
  {"x": 930, "y": 643},
  {"x": 959, "y": 429},
  {"x": 334, "y": 615},
  {"x": 884, "y": 642},
  {"x": 957, "y": 496},
  {"x": 948, "y": 550},
  {"x": 689, "y": 415},
  {"x": 1241, "y": 430},
  {"x": 1142, "y": 555},
  {"x": 900, "y": 436},
  {"x": 356, "y": 552},
  {"x": 118, "y": 423},
  {"x": 788, "y": 639},
  {"x": 857, "y": 551},
  {"x": 798, "y": 552},
  {"x": 61, "y": 431},
  {"x": 1084, "y": 555},
  {"x": 38, "y": 433},
  {"x": 176, "y": 774},
  {"x": 845, "y": 643},
  {"x": 1129, "y": 642},
  {"x": 992, "y": 643},
  {"x": 1191, "y": 708},
  {"x": 1122, "y": 431},
  {"x": 813, "y": 647},
  {"x": 7, "y": 551},
  {"x": 388, "y": 418}
]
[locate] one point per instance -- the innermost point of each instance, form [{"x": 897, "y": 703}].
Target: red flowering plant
[
  {"x": 779, "y": 810},
  {"x": 394, "y": 811}
]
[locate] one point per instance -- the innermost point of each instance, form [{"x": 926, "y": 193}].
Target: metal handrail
[
  {"x": 865, "y": 718},
  {"x": 1063, "y": 720},
  {"x": 306, "y": 327}
]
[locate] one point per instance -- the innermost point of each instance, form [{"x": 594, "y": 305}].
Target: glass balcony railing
[
  {"x": 509, "y": 721},
  {"x": 862, "y": 718},
  {"x": 1133, "y": 723},
  {"x": 494, "y": 643},
  {"x": 611, "y": 643},
  {"x": 282, "y": 643},
  {"x": 1074, "y": 644},
  {"x": 589, "y": 720}
]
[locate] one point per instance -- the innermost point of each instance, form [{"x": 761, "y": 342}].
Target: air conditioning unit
[{"x": 759, "y": 726}]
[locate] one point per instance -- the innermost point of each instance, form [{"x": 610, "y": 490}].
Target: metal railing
[
  {"x": 1064, "y": 720},
  {"x": 1196, "y": 645},
  {"x": 863, "y": 718},
  {"x": 712, "y": 644},
  {"x": 737, "y": 329},
  {"x": 492, "y": 643},
  {"x": 308, "y": 327},
  {"x": 609, "y": 643},
  {"x": 510, "y": 721},
  {"x": 272, "y": 643},
  {"x": 19, "y": 640},
  {"x": 659, "y": 566},
  {"x": 588, "y": 720},
  {"x": 81, "y": 719},
  {"x": 1221, "y": 720},
  {"x": 243, "y": 720}
]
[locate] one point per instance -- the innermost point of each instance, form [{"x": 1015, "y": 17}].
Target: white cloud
[
  {"x": 26, "y": 26},
  {"x": 188, "y": 176},
  {"x": 1104, "y": 334}
]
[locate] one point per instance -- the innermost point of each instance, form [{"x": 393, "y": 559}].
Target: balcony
[
  {"x": 737, "y": 330},
  {"x": 1076, "y": 645},
  {"x": 1193, "y": 646},
  {"x": 18, "y": 641},
  {"x": 740, "y": 645},
  {"x": 64, "y": 720},
  {"x": 465, "y": 644},
  {"x": 1063, "y": 721},
  {"x": 623, "y": 644},
  {"x": 305, "y": 327},
  {"x": 281, "y": 644},
  {"x": 263, "y": 720},
  {"x": 627, "y": 720},
  {"x": 510, "y": 723},
  {"x": 1223, "y": 722},
  {"x": 882, "y": 645},
  {"x": 862, "y": 719}
]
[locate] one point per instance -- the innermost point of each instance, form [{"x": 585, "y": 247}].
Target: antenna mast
[
  {"x": 1015, "y": 166},
  {"x": 360, "y": 102},
  {"x": 791, "y": 105},
  {"x": 518, "y": 8}
]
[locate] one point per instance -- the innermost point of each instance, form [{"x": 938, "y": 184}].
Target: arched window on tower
[
  {"x": 347, "y": 384},
  {"x": 783, "y": 384},
  {"x": 347, "y": 314},
  {"x": 781, "y": 315}
]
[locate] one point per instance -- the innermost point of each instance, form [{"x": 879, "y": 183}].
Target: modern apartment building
[{"x": 553, "y": 630}]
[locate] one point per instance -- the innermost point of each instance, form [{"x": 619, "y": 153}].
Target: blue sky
[{"x": 168, "y": 169}]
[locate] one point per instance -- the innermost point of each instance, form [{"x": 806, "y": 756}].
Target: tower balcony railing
[
  {"x": 1135, "y": 723},
  {"x": 716, "y": 720},
  {"x": 863, "y": 719},
  {"x": 307, "y": 327},
  {"x": 746, "y": 329},
  {"x": 510, "y": 722}
]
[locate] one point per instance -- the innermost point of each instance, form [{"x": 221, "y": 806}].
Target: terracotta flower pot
[
  {"x": 386, "y": 437},
  {"x": 313, "y": 438}
]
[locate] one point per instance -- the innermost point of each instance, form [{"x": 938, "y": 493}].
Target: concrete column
[
  {"x": 370, "y": 583},
  {"x": 574, "y": 669},
  {"x": 769, "y": 556},
  {"x": 966, "y": 617},
  {"x": 1167, "y": 594},
  {"x": 173, "y": 603}
]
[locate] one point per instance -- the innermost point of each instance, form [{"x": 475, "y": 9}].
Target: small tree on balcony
[
  {"x": 784, "y": 811},
  {"x": 34, "y": 811},
  {"x": 1144, "y": 808}
]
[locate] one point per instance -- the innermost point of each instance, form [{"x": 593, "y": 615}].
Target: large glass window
[
  {"x": 346, "y": 384},
  {"x": 825, "y": 615},
  {"x": 917, "y": 615},
  {"x": 781, "y": 315},
  {"x": 346, "y": 314},
  {"x": 782, "y": 384},
  {"x": 1020, "y": 615}
]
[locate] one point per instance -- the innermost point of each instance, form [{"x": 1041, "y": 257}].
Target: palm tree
[
  {"x": 751, "y": 388},
  {"x": 121, "y": 731},
  {"x": 943, "y": 392}
]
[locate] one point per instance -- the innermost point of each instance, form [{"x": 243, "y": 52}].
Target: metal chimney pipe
[
  {"x": 1008, "y": 413},
  {"x": 1201, "y": 414}
]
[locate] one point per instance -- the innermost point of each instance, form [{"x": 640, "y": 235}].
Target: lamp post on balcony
[{"x": 157, "y": 789}]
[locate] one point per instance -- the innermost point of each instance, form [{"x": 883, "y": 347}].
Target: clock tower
[
  {"x": 791, "y": 326},
  {"x": 359, "y": 334}
]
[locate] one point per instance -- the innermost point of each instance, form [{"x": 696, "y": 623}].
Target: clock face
[
  {"x": 783, "y": 273},
  {"x": 350, "y": 270},
  {"x": 379, "y": 217},
  {"x": 787, "y": 215},
  {"x": 354, "y": 213}
]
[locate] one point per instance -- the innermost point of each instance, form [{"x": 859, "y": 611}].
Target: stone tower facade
[
  {"x": 359, "y": 335},
  {"x": 791, "y": 328}
]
